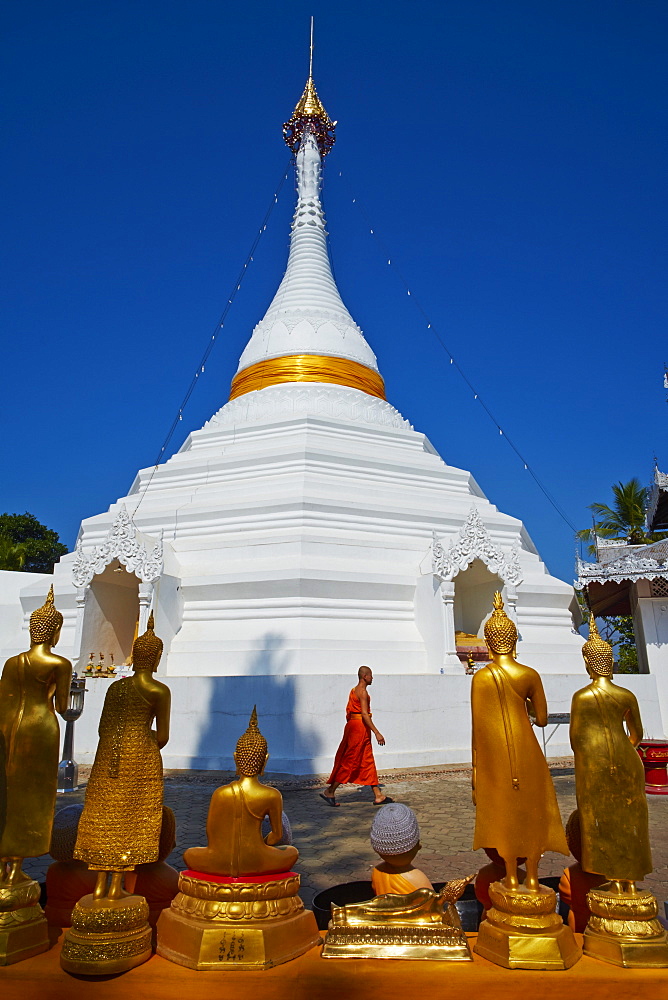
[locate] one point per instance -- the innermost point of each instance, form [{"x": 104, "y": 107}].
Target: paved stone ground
[{"x": 334, "y": 843}]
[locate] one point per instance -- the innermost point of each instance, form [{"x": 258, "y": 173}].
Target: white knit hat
[{"x": 394, "y": 829}]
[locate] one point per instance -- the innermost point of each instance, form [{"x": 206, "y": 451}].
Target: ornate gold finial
[
  {"x": 251, "y": 752},
  {"x": 597, "y": 652},
  {"x": 146, "y": 648},
  {"x": 500, "y": 630},
  {"x": 45, "y": 621},
  {"x": 310, "y": 114}
]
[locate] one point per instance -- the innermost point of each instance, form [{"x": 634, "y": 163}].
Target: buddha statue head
[
  {"x": 597, "y": 653},
  {"x": 46, "y": 622},
  {"x": 500, "y": 630},
  {"x": 251, "y": 754},
  {"x": 147, "y": 649}
]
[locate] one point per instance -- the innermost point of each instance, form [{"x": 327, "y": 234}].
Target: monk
[{"x": 354, "y": 763}]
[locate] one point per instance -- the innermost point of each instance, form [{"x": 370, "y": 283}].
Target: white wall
[{"x": 425, "y": 718}]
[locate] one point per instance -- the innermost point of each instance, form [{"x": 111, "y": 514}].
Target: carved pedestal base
[
  {"x": 522, "y": 931},
  {"x": 247, "y": 923},
  {"x": 419, "y": 925},
  {"x": 23, "y": 926},
  {"x": 623, "y": 930},
  {"x": 107, "y": 936}
]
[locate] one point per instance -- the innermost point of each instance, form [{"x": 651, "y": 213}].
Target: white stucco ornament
[
  {"x": 125, "y": 543},
  {"x": 647, "y": 562},
  {"x": 473, "y": 542}
]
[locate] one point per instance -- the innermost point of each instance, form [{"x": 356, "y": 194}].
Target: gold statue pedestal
[
  {"x": 419, "y": 925},
  {"x": 523, "y": 931},
  {"x": 252, "y": 922},
  {"x": 23, "y": 926},
  {"x": 623, "y": 930},
  {"x": 107, "y": 936}
]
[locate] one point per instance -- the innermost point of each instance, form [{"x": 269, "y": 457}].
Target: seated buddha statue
[{"x": 234, "y": 823}]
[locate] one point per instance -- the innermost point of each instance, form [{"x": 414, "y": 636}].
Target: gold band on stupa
[{"x": 307, "y": 368}]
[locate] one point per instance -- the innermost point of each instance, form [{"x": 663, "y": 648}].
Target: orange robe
[
  {"x": 354, "y": 763},
  {"x": 396, "y": 884}
]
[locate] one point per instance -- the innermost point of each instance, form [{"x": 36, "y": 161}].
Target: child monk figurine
[
  {"x": 395, "y": 836},
  {"x": 234, "y": 823}
]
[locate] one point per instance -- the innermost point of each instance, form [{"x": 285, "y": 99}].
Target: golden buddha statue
[
  {"x": 421, "y": 924},
  {"x": 234, "y": 823},
  {"x": 238, "y": 905},
  {"x": 122, "y": 817},
  {"x": 31, "y": 684},
  {"x": 612, "y": 809},
  {"x": 516, "y": 805}
]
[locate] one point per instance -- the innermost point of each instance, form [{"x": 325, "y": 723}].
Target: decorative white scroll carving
[
  {"x": 473, "y": 542},
  {"x": 648, "y": 562},
  {"x": 290, "y": 400},
  {"x": 125, "y": 543}
]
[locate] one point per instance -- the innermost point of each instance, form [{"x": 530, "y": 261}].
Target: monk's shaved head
[{"x": 364, "y": 672}]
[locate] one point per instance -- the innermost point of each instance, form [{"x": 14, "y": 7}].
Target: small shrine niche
[
  {"x": 474, "y": 594},
  {"x": 112, "y": 614}
]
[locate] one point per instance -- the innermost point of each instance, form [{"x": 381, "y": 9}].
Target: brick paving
[{"x": 334, "y": 843}]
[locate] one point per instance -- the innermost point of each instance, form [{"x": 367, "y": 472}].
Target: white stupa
[{"x": 306, "y": 529}]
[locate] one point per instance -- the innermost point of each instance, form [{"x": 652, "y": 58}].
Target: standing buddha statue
[
  {"x": 31, "y": 684},
  {"x": 612, "y": 808},
  {"x": 122, "y": 817},
  {"x": 516, "y": 805}
]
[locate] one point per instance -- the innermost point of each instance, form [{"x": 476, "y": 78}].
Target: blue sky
[{"x": 511, "y": 157}]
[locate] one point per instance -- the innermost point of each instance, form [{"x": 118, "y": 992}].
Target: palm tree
[
  {"x": 12, "y": 554},
  {"x": 625, "y": 520}
]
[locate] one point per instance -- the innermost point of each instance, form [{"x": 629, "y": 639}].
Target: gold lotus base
[
  {"x": 23, "y": 926},
  {"x": 418, "y": 926},
  {"x": 623, "y": 930},
  {"x": 213, "y": 926},
  {"x": 523, "y": 931},
  {"x": 107, "y": 936}
]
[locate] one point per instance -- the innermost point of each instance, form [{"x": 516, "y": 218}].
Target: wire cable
[
  {"x": 476, "y": 395},
  {"x": 214, "y": 336}
]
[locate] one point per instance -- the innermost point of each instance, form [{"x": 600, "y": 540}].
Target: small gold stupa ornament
[
  {"x": 310, "y": 114},
  {"x": 238, "y": 905},
  {"x": 122, "y": 817},
  {"x": 610, "y": 790},
  {"x": 32, "y": 685},
  {"x": 516, "y": 808}
]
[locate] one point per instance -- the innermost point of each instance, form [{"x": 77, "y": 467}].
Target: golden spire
[
  {"x": 49, "y": 598},
  {"x": 151, "y": 622},
  {"x": 310, "y": 114}
]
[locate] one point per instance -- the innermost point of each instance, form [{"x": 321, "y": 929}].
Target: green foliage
[
  {"x": 621, "y": 635},
  {"x": 625, "y": 520},
  {"x": 40, "y": 545},
  {"x": 12, "y": 556}
]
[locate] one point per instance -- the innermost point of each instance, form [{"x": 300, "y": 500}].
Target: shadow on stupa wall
[{"x": 286, "y": 718}]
